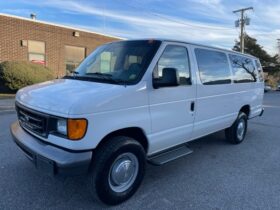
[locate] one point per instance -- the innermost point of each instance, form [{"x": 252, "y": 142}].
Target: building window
[
  {"x": 107, "y": 60},
  {"x": 213, "y": 67},
  {"x": 73, "y": 57},
  {"x": 37, "y": 52}
]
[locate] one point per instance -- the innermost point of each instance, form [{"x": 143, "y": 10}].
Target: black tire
[
  {"x": 233, "y": 134},
  {"x": 103, "y": 161}
]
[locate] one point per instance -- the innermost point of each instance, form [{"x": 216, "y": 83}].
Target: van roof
[
  {"x": 202, "y": 45},
  {"x": 192, "y": 43}
]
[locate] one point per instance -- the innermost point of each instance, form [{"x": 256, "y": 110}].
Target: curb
[
  {"x": 7, "y": 109},
  {"x": 3, "y": 112},
  {"x": 6, "y": 97}
]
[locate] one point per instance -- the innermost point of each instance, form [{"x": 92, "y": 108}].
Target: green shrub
[
  {"x": 273, "y": 79},
  {"x": 17, "y": 74}
]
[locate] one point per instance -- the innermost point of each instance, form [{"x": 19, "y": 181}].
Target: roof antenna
[
  {"x": 33, "y": 16},
  {"x": 104, "y": 18}
]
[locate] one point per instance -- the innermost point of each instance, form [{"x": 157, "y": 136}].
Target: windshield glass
[{"x": 118, "y": 63}]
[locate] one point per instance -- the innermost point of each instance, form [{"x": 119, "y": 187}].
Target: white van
[{"x": 132, "y": 102}]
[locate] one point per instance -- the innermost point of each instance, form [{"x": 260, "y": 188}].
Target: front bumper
[{"x": 49, "y": 158}]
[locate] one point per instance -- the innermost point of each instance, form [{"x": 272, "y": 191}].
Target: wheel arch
[
  {"x": 133, "y": 132},
  {"x": 246, "y": 109}
]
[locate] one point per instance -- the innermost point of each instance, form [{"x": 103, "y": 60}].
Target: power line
[
  {"x": 264, "y": 34},
  {"x": 191, "y": 25},
  {"x": 242, "y": 22},
  {"x": 104, "y": 18},
  {"x": 178, "y": 21},
  {"x": 263, "y": 31}
]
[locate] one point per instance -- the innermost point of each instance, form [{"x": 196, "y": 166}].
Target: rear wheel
[
  {"x": 236, "y": 133},
  {"x": 118, "y": 170}
]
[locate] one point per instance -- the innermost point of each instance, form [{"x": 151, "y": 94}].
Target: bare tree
[{"x": 244, "y": 65}]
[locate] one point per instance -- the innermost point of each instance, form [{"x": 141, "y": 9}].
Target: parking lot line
[{"x": 269, "y": 106}]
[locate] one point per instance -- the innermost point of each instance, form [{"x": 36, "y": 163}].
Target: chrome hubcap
[
  {"x": 241, "y": 129},
  {"x": 123, "y": 172}
]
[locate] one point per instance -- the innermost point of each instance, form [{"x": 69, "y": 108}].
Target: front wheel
[
  {"x": 118, "y": 170},
  {"x": 236, "y": 133}
]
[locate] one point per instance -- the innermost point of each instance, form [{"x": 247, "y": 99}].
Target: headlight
[
  {"x": 61, "y": 126},
  {"x": 73, "y": 129}
]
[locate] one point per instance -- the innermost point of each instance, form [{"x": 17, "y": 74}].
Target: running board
[{"x": 170, "y": 155}]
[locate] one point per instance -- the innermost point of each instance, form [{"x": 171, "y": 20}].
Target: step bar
[{"x": 169, "y": 155}]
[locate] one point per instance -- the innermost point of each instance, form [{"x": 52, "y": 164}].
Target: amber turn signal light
[{"x": 76, "y": 128}]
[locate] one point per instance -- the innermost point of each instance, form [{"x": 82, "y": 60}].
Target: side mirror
[{"x": 170, "y": 78}]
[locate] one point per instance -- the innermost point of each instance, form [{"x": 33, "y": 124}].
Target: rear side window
[
  {"x": 174, "y": 57},
  {"x": 213, "y": 67},
  {"x": 243, "y": 69},
  {"x": 259, "y": 69}
]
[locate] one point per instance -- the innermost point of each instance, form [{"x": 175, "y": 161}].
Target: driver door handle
[{"x": 192, "y": 106}]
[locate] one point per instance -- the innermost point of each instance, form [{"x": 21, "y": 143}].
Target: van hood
[{"x": 73, "y": 97}]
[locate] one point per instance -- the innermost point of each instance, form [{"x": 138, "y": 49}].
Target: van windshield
[{"x": 122, "y": 62}]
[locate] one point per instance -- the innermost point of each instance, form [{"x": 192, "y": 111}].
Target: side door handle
[{"x": 192, "y": 106}]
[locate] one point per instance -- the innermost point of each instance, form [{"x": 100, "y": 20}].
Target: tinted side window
[
  {"x": 174, "y": 57},
  {"x": 243, "y": 69},
  {"x": 213, "y": 67},
  {"x": 260, "y": 71}
]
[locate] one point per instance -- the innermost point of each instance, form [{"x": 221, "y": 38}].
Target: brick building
[{"x": 58, "y": 47}]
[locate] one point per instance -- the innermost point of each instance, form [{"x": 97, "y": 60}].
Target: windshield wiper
[
  {"x": 108, "y": 77},
  {"x": 101, "y": 75},
  {"x": 73, "y": 75},
  {"x": 95, "y": 77}
]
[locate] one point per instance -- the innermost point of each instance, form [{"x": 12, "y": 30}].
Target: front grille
[{"x": 32, "y": 121}]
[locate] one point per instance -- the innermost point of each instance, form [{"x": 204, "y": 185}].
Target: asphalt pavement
[
  {"x": 7, "y": 105},
  {"x": 217, "y": 175}
]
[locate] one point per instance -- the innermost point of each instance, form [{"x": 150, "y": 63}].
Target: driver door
[{"x": 172, "y": 108}]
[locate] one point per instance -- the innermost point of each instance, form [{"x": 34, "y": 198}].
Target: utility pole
[
  {"x": 278, "y": 40},
  {"x": 242, "y": 22}
]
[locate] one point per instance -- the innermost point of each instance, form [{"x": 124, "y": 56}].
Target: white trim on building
[{"x": 59, "y": 25}]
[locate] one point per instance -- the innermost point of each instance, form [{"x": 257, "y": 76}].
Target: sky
[{"x": 209, "y": 22}]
